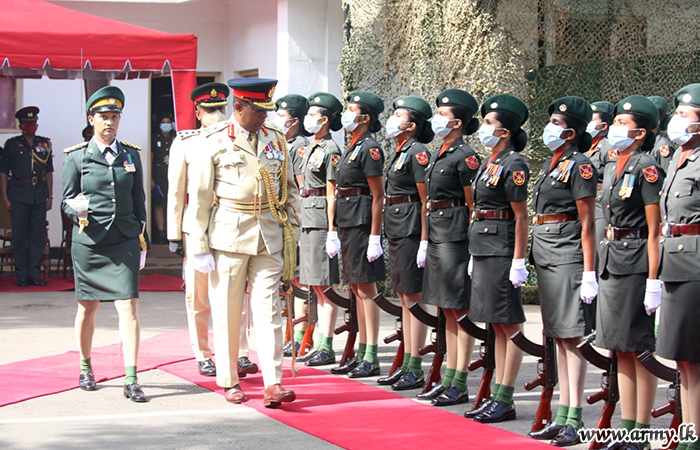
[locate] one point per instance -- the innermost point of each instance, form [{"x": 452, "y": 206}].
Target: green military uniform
[
  {"x": 297, "y": 144},
  {"x": 663, "y": 148},
  {"x": 600, "y": 154},
  {"x": 160, "y": 148}
]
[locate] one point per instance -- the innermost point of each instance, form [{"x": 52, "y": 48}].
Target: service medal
[{"x": 129, "y": 165}]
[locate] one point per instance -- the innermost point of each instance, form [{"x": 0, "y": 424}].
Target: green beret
[
  {"x": 210, "y": 95},
  {"x": 293, "y": 101},
  {"x": 367, "y": 98},
  {"x": 603, "y": 107},
  {"x": 572, "y": 107},
  {"x": 661, "y": 104},
  {"x": 325, "y": 100},
  {"x": 28, "y": 113},
  {"x": 457, "y": 97},
  {"x": 640, "y": 105},
  {"x": 508, "y": 104},
  {"x": 414, "y": 103},
  {"x": 689, "y": 95},
  {"x": 109, "y": 98}
]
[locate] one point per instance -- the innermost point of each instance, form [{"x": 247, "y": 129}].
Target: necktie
[
  {"x": 253, "y": 139},
  {"x": 110, "y": 151}
]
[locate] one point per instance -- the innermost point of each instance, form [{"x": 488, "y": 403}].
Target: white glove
[
  {"x": 589, "y": 287},
  {"x": 422, "y": 253},
  {"x": 652, "y": 296},
  {"x": 374, "y": 248},
  {"x": 332, "y": 244},
  {"x": 470, "y": 267},
  {"x": 142, "y": 261},
  {"x": 203, "y": 263},
  {"x": 518, "y": 273}
]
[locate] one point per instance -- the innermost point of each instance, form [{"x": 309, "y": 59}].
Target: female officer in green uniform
[
  {"x": 564, "y": 252},
  {"x": 663, "y": 147},
  {"x": 446, "y": 284},
  {"x": 358, "y": 216},
  {"x": 160, "y": 153},
  {"x": 498, "y": 242},
  {"x": 680, "y": 265},
  {"x": 107, "y": 243},
  {"x": 600, "y": 153},
  {"x": 404, "y": 226},
  {"x": 629, "y": 257}
]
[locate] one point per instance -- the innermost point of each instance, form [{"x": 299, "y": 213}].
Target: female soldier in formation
[
  {"x": 629, "y": 257},
  {"x": 600, "y": 153},
  {"x": 358, "y": 216},
  {"x": 680, "y": 265},
  {"x": 498, "y": 242},
  {"x": 564, "y": 254},
  {"x": 404, "y": 225},
  {"x": 160, "y": 151},
  {"x": 446, "y": 284},
  {"x": 664, "y": 149}
]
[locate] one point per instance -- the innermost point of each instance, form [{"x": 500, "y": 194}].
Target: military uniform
[
  {"x": 663, "y": 151},
  {"x": 600, "y": 155},
  {"x": 297, "y": 146},
  {"x": 160, "y": 148}
]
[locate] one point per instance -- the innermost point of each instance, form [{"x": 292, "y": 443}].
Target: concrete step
[{"x": 161, "y": 261}]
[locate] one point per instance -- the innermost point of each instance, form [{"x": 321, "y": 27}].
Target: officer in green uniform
[
  {"x": 103, "y": 194},
  {"x": 600, "y": 153},
  {"x": 160, "y": 156},
  {"x": 26, "y": 185},
  {"x": 663, "y": 147}
]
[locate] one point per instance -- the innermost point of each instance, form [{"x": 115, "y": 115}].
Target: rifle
[
  {"x": 311, "y": 315},
  {"x": 546, "y": 375},
  {"x": 437, "y": 344},
  {"x": 487, "y": 357},
  {"x": 609, "y": 389},
  {"x": 308, "y": 341},
  {"x": 350, "y": 321},
  {"x": 397, "y": 311},
  {"x": 673, "y": 406}
]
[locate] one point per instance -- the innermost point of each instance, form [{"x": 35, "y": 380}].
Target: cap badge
[
  {"x": 445, "y": 99},
  {"x": 494, "y": 105},
  {"x": 687, "y": 98},
  {"x": 283, "y": 104},
  {"x": 356, "y": 98},
  {"x": 627, "y": 106},
  {"x": 562, "y": 107},
  {"x": 400, "y": 102},
  {"x": 317, "y": 99},
  {"x": 213, "y": 93},
  {"x": 271, "y": 92},
  {"x": 112, "y": 100},
  {"x": 594, "y": 107},
  {"x": 31, "y": 114}
]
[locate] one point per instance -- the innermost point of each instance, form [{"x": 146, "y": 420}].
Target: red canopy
[{"x": 39, "y": 38}]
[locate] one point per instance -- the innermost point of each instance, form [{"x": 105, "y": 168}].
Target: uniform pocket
[
  {"x": 353, "y": 211},
  {"x": 313, "y": 212}
]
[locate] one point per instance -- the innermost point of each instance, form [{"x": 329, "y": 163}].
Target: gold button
[
  {"x": 537, "y": 193},
  {"x": 113, "y": 216},
  {"x": 442, "y": 170},
  {"x": 554, "y": 183},
  {"x": 347, "y": 199},
  {"x": 607, "y": 206},
  {"x": 625, "y": 244},
  {"x": 397, "y": 210},
  {"x": 427, "y": 214},
  {"x": 114, "y": 200},
  {"x": 676, "y": 194},
  {"x": 428, "y": 180},
  {"x": 665, "y": 217},
  {"x": 486, "y": 230},
  {"x": 441, "y": 213},
  {"x": 546, "y": 228},
  {"x": 109, "y": 168},
  {"x": 680, "y": 247},
  {"x": 607, "y": 243},
  {"x": 112, "y": 183}
]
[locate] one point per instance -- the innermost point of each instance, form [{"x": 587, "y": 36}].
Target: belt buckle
[
  {"x": 428, "y": 205},
  {"x": 35, "y": 180},
  {"x": 609, "y": 232},
  {"x": 474, "y": 215},
  {"x": 534, "y": 219},
  {"x": 666, "y": 229}
]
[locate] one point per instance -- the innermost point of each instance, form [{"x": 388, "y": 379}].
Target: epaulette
[
  {"x": 129, "y": 144},
  {"x": 273, "y": 127},
  {"x": 211, "y": 129},
  {"x": 76, "y": 147},
  {"x": 184, "y": 134}
]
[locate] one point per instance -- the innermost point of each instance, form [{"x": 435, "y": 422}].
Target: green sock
[
  {"x": 447, "y": 379},
  {"x": 682, "y": 446},
  {"x": 562, "y": 414},
  {"x": 371, "y": 354},
  {"x": 328, "y": 344},
  {"x": 460, "y": 380},
  {"x": 642, "y": 426},
  {"x": 496, "y": 388},
  {"x": 299, "y": 336},
  {"x": 627, "y": 424},
  {"x": 361, "y": 352},
  {"x": 505, "y": 394},
  {"x": 321, "y": 340},
  {"x": 406, "y": 361},
  {"x": 130, "y": 375},
  {"x": 575, "y": 417},
  {"x": 415, "y": 366},
  {"x": 85, "y": 365}
]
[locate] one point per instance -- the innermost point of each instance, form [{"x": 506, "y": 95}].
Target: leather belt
[
  {"x": 434, "y": 205},
  {"x": 313, "y": 192},
  {"x": 395, "y": 199},
  {"x": 615, "y": 234},
  {"x": 678, "y": 229},
  {"x": 493, "y": 214},
  {"x": 242, "y": 207},
  {"x": 540, "y": 219},
  {"x": 33, "y": 180},
  {"x": 351, "y": 191}
]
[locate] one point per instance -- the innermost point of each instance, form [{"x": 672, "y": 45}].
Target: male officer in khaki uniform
[{"x": 249, "y": 234}]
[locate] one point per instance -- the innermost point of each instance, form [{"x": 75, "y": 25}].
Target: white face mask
[
  {"x": 486, "y": 135},
  {"x": 348, "y": 120},
  {"x": 678, "y": 129},
  {"x": 311, "y": 123},
  {"x": 618, "y": 137},
  {"x": 392, "y": 126},
  {"x": 281, "y": 123},
  {"x": 210, "y": 118},
  {"x": 591, "y": 128},
  {"x": 552, "y": 136},
  {"x": 439, "y": 125}
]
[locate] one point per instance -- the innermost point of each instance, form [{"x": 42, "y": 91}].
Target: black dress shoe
[
  {"x": 246, "y": 366},
  {"x": 134, "y": 392},
  {"x": 288, "y": 348},
  {"x": 485, "y": 405},
  {"x": 392, "y": 378},
  {"x": 306, "y": 357},
  {"x": 409, "y": 381},
  {"x": 615, "y": 446},
  {"x": 207, "y": 368},
  {"x": 36, "y": 282},
  {"x": 349, "y": 365},
  {"x": 433, "y": 393},
  {"x": 322, "y": 357},
  {"x": 497, "y": 412},
  {"x": 636, "y": 446},
  {"x": 568, "y": 435},
  {"x": 364, "y": 369},
  {"x": 87, "y": 382},
  {"x": 547, "y": 433},
  {"x": 23, "y": 282},
  {"x": 451, "y": 396}
]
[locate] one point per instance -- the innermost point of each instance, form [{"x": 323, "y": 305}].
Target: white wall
[{"x": 251, "y": 38}]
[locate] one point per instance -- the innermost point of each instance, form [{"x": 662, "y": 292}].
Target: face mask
[
  {"x": 617, "y": 136},
  {"x": 311, "y": 124},
  {"x": 551, "y": 136},
  {"x": 591, "y": 128},
  {"x": 281, "y": 123},
  {"x": 439, "y": 126},
  {"x": 348, "y": 120},
  {"x": 486, "y": 136},
  {"x": 678, "y": 129},
  {"x": 209, "y": 119},
  {"x": 392, "y": 126},
  {"x": 166, "y": 127},
  {"x": 30, "y": 128}
]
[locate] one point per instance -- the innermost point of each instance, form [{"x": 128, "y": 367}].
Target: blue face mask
[
  {"x": 166, "y": 127},
  {"x": 486, "y": 136},
  {"x": 439, "y": 125},
  {"x": 618, "y": 137},
  {"x": 347, "y": 119},
  {"x": 552, "y": 136}
]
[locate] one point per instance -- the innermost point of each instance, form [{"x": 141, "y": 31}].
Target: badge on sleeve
[
  {"x": 586, "y": 171},
  {"x": 651, "y": 174},
  {"x": 375, "y": 154},
  {"x": 472, "y": 162},
  {"x": 519, "y": 178},
  {"x": 664, "y": 151},
  {"x": 612, "y": 155},
  {"x": 301, "y": 151},
  {"x": 422, "y": 158},
  {"x": 334, "y": 160}
]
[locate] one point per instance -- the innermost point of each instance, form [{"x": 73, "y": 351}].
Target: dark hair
[
  {"x": 297, "y": 114},
  {"x": 583, "y": 140},
  {"x": 333, "y": 118},
  {"x": 663, "y": 122},
  {"x": 605, "y": 117},
  {"x": 512, "y": 124},
  {"x": 425, "y": 131},
  {"x": 374, "y": 123},
  {"x": 469, "y": 124},
  {"x": 646, "y": 123}
]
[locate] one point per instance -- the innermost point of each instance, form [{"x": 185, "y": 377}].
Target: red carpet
[
  {"x": 158, "y": 282},
  {"x": 9, "y": 284}
]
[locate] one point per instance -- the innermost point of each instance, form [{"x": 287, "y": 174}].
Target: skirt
[
  {"x": 679, "y": 332},
  {"x": 622, "y": 323},
  {"x": 315, "y": 267},
  {"x": 564, "y": 315},
  {"x": 109, "y": 270},
  {"x": 446, "y": 283},
  {"x": 406, "y": 276},
  {"x": 357, "y": 270},
  {"x": 494, "y": 299}
]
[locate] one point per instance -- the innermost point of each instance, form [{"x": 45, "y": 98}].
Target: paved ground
[{"x": 180, "y": 415}]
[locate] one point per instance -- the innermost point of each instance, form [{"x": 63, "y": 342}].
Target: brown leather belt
[
  {"x": 349, "y": 192},
  {"x": 678, "y": 229},
  {"x": 492, "y": 214},
  {"x": 395, "y": 199},
  {"x": 616, "y": 234},
  {"x": 313, "y": 192},
  {"x": 540, "y": 219},
  {"x": 33, "y": 180},
  {"x": 434, "y": 205}
]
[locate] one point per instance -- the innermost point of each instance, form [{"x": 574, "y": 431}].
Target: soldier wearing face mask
[
  {"x": 291, "y": 110},
  {"x": 160, "y": 155}
]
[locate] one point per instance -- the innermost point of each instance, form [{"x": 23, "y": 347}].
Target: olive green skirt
[
  {"x": 679, "y": 332},
  {"x": 494, "y": 299}
]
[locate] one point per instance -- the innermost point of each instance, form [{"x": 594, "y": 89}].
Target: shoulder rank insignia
[
  {"x": 301, "y": 151},
  {"x": 184, "y": 134},
  {"x": 422, "y": 158},
  {"x": 519, "y": 177},
  {"x": 586, "y": 171},
  {"x": 651, "y": 174},
  {"x": 334, "y": 160},
  {"x": 129, "y": 144},
  {"x": 664, "y": 151},
  {"x": 76, "y": 147},
  {"x": 375, "y": 153},
  {"x": 612, "y": 155},
  {"x": 472, "y": 162}
]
